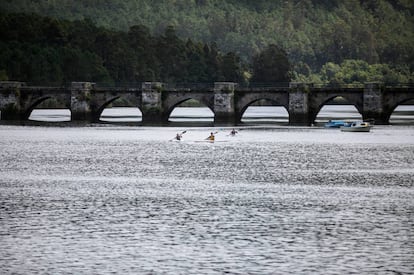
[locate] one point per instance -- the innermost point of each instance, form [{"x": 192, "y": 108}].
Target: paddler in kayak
[
  {"x": 233, "y": 132},
  {"x": 211, "y": 137},
  {"x": 179, "y": 136}
]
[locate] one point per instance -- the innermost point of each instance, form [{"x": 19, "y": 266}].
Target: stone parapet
[
  {"x": 11, "y": 84},
  {"x": 303, "y": 101}
]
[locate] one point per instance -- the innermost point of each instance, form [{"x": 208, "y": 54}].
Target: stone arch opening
[
  {"x": 48, "y": 109},
  {"x": 119, "y": 109},
  {"x": 337, "y": 108},
  {"x": 403, "y": 113},
  {"x": 264, "y": 111},
  {"x": 191, "y": 111}
]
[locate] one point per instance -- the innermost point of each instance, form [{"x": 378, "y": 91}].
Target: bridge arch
[
  {"x": 393, "y": 100},
  {"x": 319, "y": 100},
  {"x": 55, "y": 110},
  {"x": 175, "y": 98},
  {"x": 337, "y": 108},
  {"x": 32, "y": 105},
  {"x": 246, "y": 99},
  {"x": 273, "y": 103},
  {"x": 35, "y": 101},
  {"x": 102, "y": 105},
  {"x": 169, "y": 111}
]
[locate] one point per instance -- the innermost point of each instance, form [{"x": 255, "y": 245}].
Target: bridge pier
[
  {"x": 151, "y": 104},
  {"x": 373, "y": 103},
  {"x": 81, "y": 98},
  {"x": 299, "y": 104},
  {"x": 224, "y": 112},
  {"x": 10, "y": 100}
]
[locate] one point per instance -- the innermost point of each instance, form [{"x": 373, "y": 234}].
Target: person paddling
[
  {"x": 211, "y": 137},
  {"x": 233, "y": 132},
  {"x": 178, "y": 136}
]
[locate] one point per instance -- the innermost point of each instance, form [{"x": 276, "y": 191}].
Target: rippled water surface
[{"x": 281, "y": 200}]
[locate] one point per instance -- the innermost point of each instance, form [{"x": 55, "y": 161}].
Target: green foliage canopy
[
  {"x": 43, "y": 50},
  {"x": 271, "y": 65},
  {"x": 311, "y": 31},
  {"x": 358, "y": 71}
]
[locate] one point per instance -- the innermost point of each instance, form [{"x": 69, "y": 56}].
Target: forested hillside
[
  {"x": 323, "y": 39},
  {"x": 45, "y": 50}
]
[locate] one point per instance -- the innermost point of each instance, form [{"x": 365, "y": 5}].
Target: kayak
[{"x": 211, "y": 141}]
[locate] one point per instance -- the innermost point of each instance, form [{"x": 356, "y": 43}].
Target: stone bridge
[{"x": 226, "y": 100}]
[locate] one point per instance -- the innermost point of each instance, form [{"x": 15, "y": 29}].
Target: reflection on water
[
  {"x": 403, "y": 114},
  {"x": 287, "y": 200},
  {"x": 192, "y": 114},
  {"x": 267, "y": 114},
  {"x": 53, "y": 115},
  {"x": 341, "y": 112},
  {"x": 121, "y": 114}
]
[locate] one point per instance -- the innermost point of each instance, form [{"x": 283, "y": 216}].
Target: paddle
[
  {"x": 233, "y": 133},
  {"x": 207, "y": 138},
  {"x": 182, "y": 133}
]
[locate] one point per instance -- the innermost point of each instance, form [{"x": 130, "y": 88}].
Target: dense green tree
[
  {"x": 196, "y": 63},
  {"x": 171, "y": 50},
  {"x": 271, "y": 65},
  {"x": 3, "y": 75},
  {"x": 64, "y": 51},
  {"x": 311, "y": 31},
  {"x": 358, "y": 71},
  {"x": 213, "y": 61},
  {"x": 129, "y": 37},
  {"x": 232, "y": 68},
  {"x": 143, "y": 47}
]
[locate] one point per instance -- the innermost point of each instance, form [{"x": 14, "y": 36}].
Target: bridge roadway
[{"x": 226, "y": 100}]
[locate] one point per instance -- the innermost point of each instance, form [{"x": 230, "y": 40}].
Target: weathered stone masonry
[{"x": 226, "y": 100}]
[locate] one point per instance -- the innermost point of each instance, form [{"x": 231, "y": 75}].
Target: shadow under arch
[
  {"x": 264, "y": 111},
  {"x": 190, "y": 111},
  {"x": 336, "y": 108},
  {"x": 48, "y": 109},
  {"x": 402, "y": 113},
  {"x": 118, "y": 110}
]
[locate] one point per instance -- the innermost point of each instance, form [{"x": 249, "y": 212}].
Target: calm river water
[{"x": 276, "y": 200}]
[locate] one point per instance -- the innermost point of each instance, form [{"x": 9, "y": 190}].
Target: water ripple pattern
[{"x": 269, "y": 201}]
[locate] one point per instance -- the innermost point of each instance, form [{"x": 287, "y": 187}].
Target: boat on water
[
  {"x": 356, "y": 126},
  {"x": 334, "y": 124}
]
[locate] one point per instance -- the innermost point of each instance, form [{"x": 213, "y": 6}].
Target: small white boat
[{"x": 356, "y": 126}]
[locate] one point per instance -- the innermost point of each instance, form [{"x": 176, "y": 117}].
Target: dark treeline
[
  {"x": 325, "y": 40},
  {"x": 41, "y": 49},
  {"x": 44, "y": 50}
]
